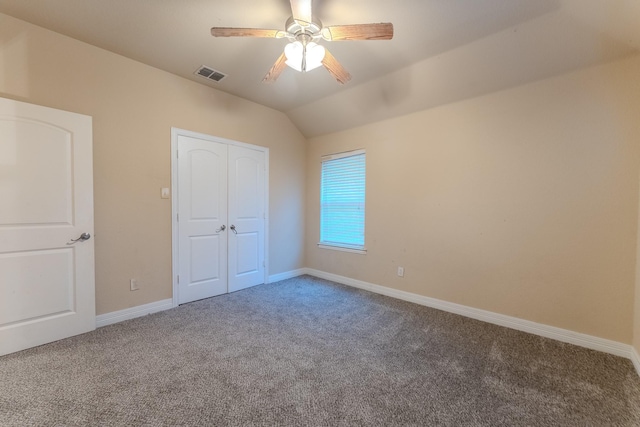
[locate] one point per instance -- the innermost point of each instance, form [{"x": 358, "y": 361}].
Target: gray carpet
[{"x": 307, "y": 352}]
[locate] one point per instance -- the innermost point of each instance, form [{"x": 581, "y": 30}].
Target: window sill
[{"x": 342, "y": 249}]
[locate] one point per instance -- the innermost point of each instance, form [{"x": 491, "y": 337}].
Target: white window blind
[{"x": 342, "y": 200}]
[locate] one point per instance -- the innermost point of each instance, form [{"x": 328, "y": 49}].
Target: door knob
[
  {"x": 233, "y": 228},
  {"x": 222, "y": 228},
  {"x": 82, "y": 238}
]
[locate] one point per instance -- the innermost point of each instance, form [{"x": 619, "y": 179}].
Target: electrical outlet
[
  {"x": 134, "y": 285},
  {"x": 401, "y": 271}
]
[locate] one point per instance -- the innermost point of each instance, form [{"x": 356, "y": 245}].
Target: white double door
[
  {"x": 46, "y": 201},
  {"x": 220, "y": 216}
]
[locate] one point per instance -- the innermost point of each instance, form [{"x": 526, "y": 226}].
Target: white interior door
[
  {"x": 246, "y": 217},
  {"x": 219, "y": 205},
  {"x": 202, "y": 218},
  {"x": 47, "y": 287}
]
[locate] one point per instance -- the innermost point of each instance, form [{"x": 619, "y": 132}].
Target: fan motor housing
[{"x": 296, "y": 29}]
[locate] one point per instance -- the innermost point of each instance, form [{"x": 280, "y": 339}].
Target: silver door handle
[
  {"x": 224, "y": 227},
  {"x": 233, "y": 228},
  {"x": 82, "y": 238}
]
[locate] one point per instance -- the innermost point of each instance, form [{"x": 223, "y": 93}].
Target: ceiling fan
[{"x": 304, "y": 31}]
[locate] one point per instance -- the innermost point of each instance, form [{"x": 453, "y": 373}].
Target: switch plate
[
  {"x": 134, "y": 285},
  {"x": 401, "y": 271},
  {"x": 164, "y": 193}
]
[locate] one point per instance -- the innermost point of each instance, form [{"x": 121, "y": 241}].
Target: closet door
[
  {"x": 246, "y": 217},
  {"x": 202, "y": 218}
]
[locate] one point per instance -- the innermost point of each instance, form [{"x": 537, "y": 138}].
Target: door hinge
[
  {"x": 177, "y": 154},
  {"x": 178, "y": 279},
  {"x": 177, "y": 217}
]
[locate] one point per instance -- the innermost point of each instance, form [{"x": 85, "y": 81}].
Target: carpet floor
[{"x": 308, "y": 352}]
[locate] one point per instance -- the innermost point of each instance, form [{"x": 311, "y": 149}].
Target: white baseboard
[
  {"x": 635, "y": 358},
  {"x": 287, "y": 275},
  {"x": 133, "y": 312},
  {"x": 559, "y": 334}
]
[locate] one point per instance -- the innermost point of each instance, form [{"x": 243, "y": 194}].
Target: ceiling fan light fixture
[
  {"x": 304, "y": 59},
  {"x": 304, "y": 30},
  {"x": 294, "y": 52},
  {"x": 315, "y": 55}
]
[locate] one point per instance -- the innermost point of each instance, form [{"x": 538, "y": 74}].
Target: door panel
[
  {"x": 205, "y": 256},
  {"x": 47, "y": 289},
  {"x": 247, "y": 253},
  {"x": 204, "y": 168},
  {"x": 22, "y": 275},
  {"x": 247, "y": 214},
  {"x": 36, "y": 165},
  {"x": 202, "y": 211},
  {"x": 246, "y": 183}
]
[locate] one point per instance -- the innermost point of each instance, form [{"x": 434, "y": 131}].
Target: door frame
[{"x": 175, "y": 133}]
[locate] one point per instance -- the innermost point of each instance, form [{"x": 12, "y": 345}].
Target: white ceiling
[{"x": 443, "y": 50}]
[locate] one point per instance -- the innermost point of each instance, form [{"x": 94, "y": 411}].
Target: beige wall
[
  {"x": 523, "y": 202},
  {"x": 636, "y": 318},
  {"x": 133, "y": 108}
]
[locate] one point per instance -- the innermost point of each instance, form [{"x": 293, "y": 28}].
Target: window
[{"x": 342, "y": 196}]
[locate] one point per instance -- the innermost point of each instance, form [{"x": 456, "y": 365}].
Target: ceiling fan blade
[
  {"x": 301, "y": 10},
  {"x": 335, "y": 68},
  {"x": 276, "y": 70},
  {"x": 243, "y": 32},
  {"x": 381, "y": 31}
]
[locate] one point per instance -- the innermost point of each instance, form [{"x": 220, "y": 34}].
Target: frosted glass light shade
[
  {"x": 295, "y": 52},
  {"x": 315, "y": 55}
]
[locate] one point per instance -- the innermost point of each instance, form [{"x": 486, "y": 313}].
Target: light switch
[{"x": 164, "y": 193}]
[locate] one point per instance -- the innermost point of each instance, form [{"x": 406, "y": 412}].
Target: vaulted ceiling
[{"x": 443, "y": 50}]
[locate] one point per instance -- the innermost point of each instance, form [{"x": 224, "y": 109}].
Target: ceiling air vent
[{"x": 210, "y": 74}]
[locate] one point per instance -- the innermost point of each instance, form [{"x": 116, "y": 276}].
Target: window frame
[{"x": 344, "y": 247}]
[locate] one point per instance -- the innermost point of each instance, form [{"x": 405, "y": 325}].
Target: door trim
[{"x": 175, "y": 133}]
